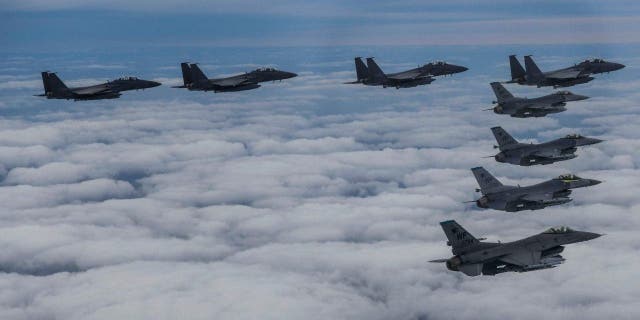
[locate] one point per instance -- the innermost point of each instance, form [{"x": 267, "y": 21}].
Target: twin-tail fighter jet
[
  {"x": 566, "y": 77},
  {"x": 518, "y": 107},
  {"x": 552, "y": 192},
  {"x": 54, "y": 88},
  {"x": 474, "y": 257},
  {"x": 195, "y": 80},
  {"x": 528, "y": 154},
  {"x": 371, "y": 74}
]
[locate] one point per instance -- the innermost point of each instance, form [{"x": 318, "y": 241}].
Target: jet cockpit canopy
[
  {"x": 568, "y": 176},
  {"x": 265, "y": 69},
  {"x": 558, "y": 230}
]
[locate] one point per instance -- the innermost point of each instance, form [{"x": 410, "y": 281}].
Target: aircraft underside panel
[{"x": 471, "y": 269}]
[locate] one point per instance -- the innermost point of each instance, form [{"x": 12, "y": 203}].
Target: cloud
[{"x": 303, "y": 199}]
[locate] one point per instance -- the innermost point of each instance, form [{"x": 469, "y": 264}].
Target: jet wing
[
  {"x": 537, "y": 197},
  {"x": 564, "y": 74},
  {"x": 232, "y": 82},
  {"x": 538, "y": 107},
  {"x": 93, "y": 90},
  {"x": 546, "y": 154},
  {"x": 406, "y": 75},
  {"x": 523, "y": 257}
]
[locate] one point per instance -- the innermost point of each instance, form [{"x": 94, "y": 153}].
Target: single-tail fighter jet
[
  {"x": 524, "y": 154},
  {"x": 474, "y": 257},
  {"x": 371, "y": 74},
  {"x": 577, "y": 74},
  {"x": 195, "y": 80},
  {"x": 552, "y": 192},
  {"x": 518, "y": 107},
  {"x": 54, "y": 88}
]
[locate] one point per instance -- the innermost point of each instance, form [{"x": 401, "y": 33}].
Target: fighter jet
[
  {"x": 535, "y": 107},
  {"x": 541, "y": 251},
  {"x": 195, "y": 80},
  {"x": 371, "y": 74},
  {"x": 577, "y": 74},
  {"x": 552, "y": 192},
  {"x": 523, "y": 154},
  {"x": 54, "y": 88}
]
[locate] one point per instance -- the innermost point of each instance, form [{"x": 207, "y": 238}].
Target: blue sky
[
  {"x": 317, "y": 197},
  {"x": 57, "y": 24}
]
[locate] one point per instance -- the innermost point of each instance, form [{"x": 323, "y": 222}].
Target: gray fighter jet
[
  {"x": 474, "y": 257},
  {"x": 552, "y": 192},
  {"x": 523, "y": 154},
  {"x": 371, "y": 74},
  {"x": 535, "y": 107},
  {"x": 577, "y": 74},
  {"x": 195, "y": 80},
  {"x": 54, "y": 88}
]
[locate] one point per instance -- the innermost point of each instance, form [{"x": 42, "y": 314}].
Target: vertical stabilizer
[
  {"x": 52, "y": 83},
  {"x": 362, "y": 72},
  {"x": 186, "y": 74},
  {"x": 517, "y": 71},
  {"x": 503, "y": 137},
  {"x": 500, "y": 91},
  {"x": 196, "y": 74},
  {"x": 533, "y": 72},
  {"x": 458, "y": 237},
  {"x": 375, "y": 72},
  {"x": 486, "y": 181},
  {"x": 45, "y": 82}
]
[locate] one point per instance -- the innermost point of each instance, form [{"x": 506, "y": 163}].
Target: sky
[{"x": 306, "y": 198}]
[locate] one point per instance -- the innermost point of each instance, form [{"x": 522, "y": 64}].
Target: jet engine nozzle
[
  {"x": 498, "y": 109},
  {"x": 454, "y": 263},
  {"x": 483, "y": 202},
  {"x": 500, "y": 157}
]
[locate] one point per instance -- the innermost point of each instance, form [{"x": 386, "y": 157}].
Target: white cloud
[{"x": 262, "y": 205}]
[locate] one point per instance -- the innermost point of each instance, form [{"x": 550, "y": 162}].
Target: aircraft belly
[
  {"x": 524, "y": 257},
  {"x": 472, "y": 270}
]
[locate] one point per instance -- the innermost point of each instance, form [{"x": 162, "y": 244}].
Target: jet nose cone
[
  {"x": 577, "y": 97},
  {"x": 593, "y": 182},
  {"x": 289, "y": 75},
  {"x": 154, "y": 84},
  {"x": 618, "y": 66},
  {"x": 457, "y": 69},
  {"x": 587, "y": 141},
  {"x": 590, "y": 236}
]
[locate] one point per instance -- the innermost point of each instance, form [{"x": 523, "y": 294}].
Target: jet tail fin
[
  {"x": 374, "y": 70},
  {"x": 517, "y": 71},
  {"x": 458, "y": 237},
  {"x": 196, "y": 74},
  {"x": 503, "y": 137},
  {"x": 186, "y": 74},
  {"x": 362, "y": 72},
  {"x": 533, "y": 72},
  {"x": 485, "y": 180},
  {"x": 52, "y": 83},
  {"x": 500, "y": 91}
]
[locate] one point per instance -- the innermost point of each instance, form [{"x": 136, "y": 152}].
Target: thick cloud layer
[{"x": 274, "y": 204}]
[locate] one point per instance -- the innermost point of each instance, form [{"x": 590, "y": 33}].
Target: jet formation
[
  {"x": 474, "y": 257},
  {"x": 518, "y": 107},
  {"x": 528, "y": 154},
  {"x": 371, "y": 74},
  {"x": 195, "y": 80},
  {"x": 566, "y": 77},
  {"x": 552, "y": 192},
  {"x": 54, "y": 88}
]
